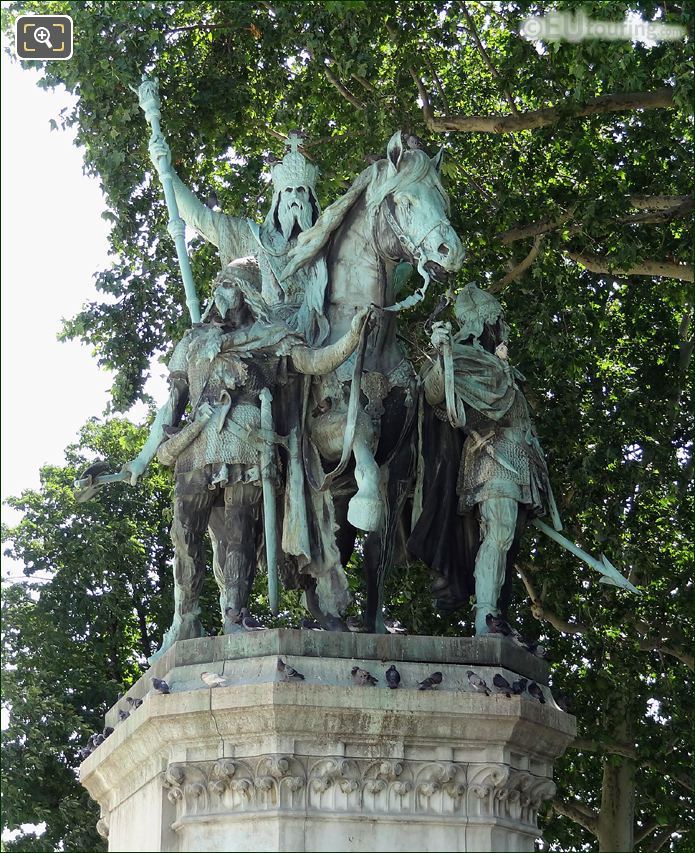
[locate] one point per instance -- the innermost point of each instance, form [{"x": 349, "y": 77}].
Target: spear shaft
[{"x": 148, "y": 95}]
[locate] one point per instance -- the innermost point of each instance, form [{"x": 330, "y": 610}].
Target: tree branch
[
  {"x": 481, "y": 50},
  {"x": 664, "y": 214},
  {"x": 660, "y": 269},
  {"x": 611, "y": 747},
  {"x": 543, "y": 615},
  {"x": 346, "y": 93},
  {"x": 534, "y": 228},
  {"x": 615, "y": 103},
  {"x": 579, "y": 813},
  {"x": 365, "y": 84},
  {"x": 520, "y": 268},
  {"x": 655, "y": 645},
  {"x": 427, "y": 112},
  {"x": 661, "y": 838},
  {"x": 658, "y": 202},
  {"x": 641, "y": 832}
]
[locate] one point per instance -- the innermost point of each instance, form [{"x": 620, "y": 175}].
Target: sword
[
  {"x": 86, "y": 487},
  {"x": 610, "y": 574},
  {"x": 269, "y": 516}
]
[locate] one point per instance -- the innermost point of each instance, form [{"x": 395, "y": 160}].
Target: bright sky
[{"x": 53, "y": 241}]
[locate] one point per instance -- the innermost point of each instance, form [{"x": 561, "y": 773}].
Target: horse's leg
[
  {"x": 365, "y": 510},
  {"x": 346, "y": 534},
  {"x": 380, "y": 545}
]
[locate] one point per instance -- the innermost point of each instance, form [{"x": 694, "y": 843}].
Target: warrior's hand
[
  {"x": 204, "y": 412},
  {"x": 160, "y": 152},
  {"x": 359, "y": 320},
  {"x": 440, "y": 334},
  {"x": 136, "y": 468}
]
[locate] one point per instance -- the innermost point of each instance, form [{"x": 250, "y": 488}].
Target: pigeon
[
  {"x": 535, "y": 691},
  {"x": 212, "y": 201},
  {"x": 123, "y": 715},
  {"x": 519, "y": 686},
  {"x": 134, "y": 703},
  {"x": 84, "y": 753},
  {"x": 212, "y": 679},
  {"x": 477, "y": 683},
  {"x": 432, "y": 682},
  {"x": 249, "y": 623},
  {"x": 98, "y": 740},
  {"x": 393, "y": 677},
  {"x": 159, "y": 685},
  {"x": 108, "y": 731},
  {"x": 497, "y": 625},
  {"x": 502, "y": 685},
  {"x": 354, "y": 625},
  {"x": 562, "y": 702},
  {"x": 310, "y": 625},
  {"x": 362, "y": 678},
  {"x": 393, "y": 626},
  {"x": 536, "y": 649},
  {"x": 289, "y": 673}
]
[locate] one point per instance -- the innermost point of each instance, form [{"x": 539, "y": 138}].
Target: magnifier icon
[{"x": 43, "y": 36}]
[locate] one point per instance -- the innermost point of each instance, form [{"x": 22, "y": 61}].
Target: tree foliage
[{"x": 599, "y": 180}]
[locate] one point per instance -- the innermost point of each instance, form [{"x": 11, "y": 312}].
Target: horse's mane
[{"x": 377, "y": 183}]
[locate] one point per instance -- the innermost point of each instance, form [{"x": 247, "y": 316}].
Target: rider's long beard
[{"x": 298, "y": 214}]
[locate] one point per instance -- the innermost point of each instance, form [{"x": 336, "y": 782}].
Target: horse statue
[{"x": 360, "y": 418}]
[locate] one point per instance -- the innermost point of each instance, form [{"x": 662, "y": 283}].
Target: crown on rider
[{"x": 294, "y": 170}]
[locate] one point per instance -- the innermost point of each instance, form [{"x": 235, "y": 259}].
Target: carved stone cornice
[{"x": 338, "y": 785}]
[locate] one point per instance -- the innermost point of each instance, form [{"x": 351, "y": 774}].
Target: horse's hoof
[{"x": 365, "y": 513}]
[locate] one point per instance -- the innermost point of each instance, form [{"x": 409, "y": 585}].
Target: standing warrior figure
[
  {"x": 294, "y": 208},
  {"x": 223, "y": 365},
  {"x": 502, "y": 479}
]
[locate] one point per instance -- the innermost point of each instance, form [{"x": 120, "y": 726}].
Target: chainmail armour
[
  {"x": 512, "y": 439},
  {"x": 226, "y": 381}
]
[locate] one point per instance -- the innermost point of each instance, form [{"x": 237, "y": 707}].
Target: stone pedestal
[{"x": 322, "y": 765}]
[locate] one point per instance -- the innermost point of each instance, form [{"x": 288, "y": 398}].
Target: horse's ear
[
  {"x": 438, "y": 159},
  {"x": 394, "y": 151}
]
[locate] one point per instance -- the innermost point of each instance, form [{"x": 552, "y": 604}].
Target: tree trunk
[{"x": 616, "y": 819}]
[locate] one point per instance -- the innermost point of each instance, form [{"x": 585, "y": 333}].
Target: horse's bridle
[{"x": 413, "y": 249}]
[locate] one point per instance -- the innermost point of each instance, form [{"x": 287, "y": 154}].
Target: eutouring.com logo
[{"x": 43, "y": 37}]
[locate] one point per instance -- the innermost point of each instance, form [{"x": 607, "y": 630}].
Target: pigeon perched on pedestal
[
  {"x": 477, "y": 683},
  {"x": 159, "y": 685},
  {"x": 519, "y": 686},
  {"x": 502, "y": 685},
  {"x": 393, "y": 677},
  {"x": 432, "y": 682},
  {"x": 362, "y": 678},
  {"x": 123, "y": 715},
  {"x": 288, "y": 673},
  {"x": 212, "y": 679},
  {"x": 249, "y": 622},
  {"x": 310, "y": 625},
  {"x": 535, "y": 691},
  {"x": 497, "y": 625},
  {"x": 393, "y": 626},
  {"x": 134, "y": 703}
]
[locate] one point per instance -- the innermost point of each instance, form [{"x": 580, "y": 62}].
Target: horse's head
[{"x": 411, "y": 208}]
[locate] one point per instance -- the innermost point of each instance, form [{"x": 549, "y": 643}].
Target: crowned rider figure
[{"x": 264, "y": 248}]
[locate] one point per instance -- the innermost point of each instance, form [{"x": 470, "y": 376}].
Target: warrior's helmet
[{"x": 475, "y": 309}]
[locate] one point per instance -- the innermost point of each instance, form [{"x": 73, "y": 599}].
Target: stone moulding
[{"x": 291, "y": 783}]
